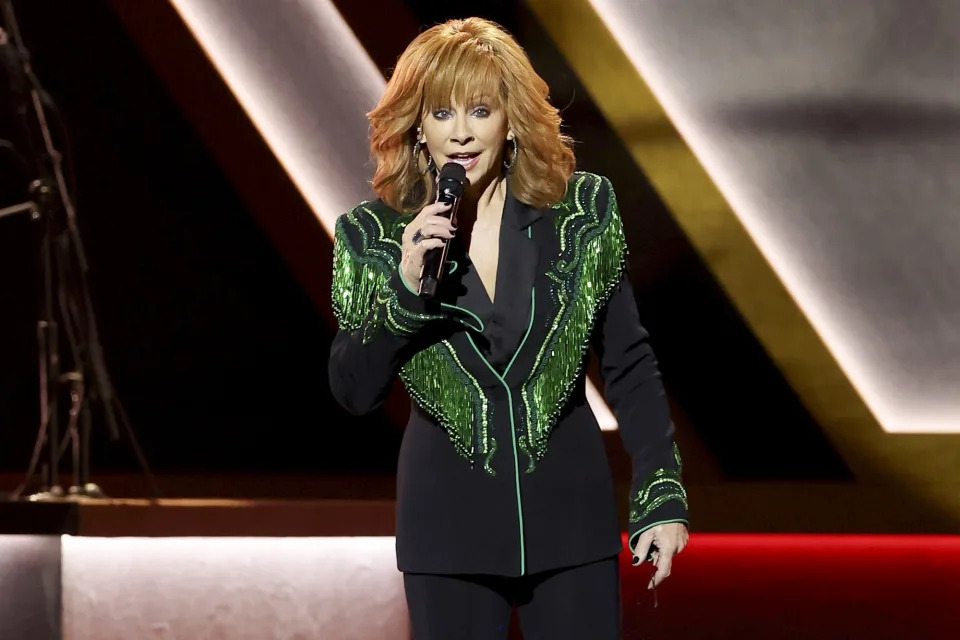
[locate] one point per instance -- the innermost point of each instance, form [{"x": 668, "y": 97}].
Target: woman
[{"x": 504, "y": 494}]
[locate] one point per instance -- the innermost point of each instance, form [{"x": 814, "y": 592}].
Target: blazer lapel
[
  {"x": 518, "y": 258},
  {"x": 519, "y": 263}
]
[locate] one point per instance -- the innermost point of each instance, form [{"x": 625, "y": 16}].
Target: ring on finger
[{"x": 417, "y": 237}]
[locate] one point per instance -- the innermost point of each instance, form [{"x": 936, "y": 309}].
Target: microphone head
[{"x": 454, "y": 175}]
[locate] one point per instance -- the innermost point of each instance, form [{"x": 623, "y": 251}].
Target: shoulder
[
  {"x": 589, "y": 213},
  {"x": 370, "y": 224},
  {"x": 372, "y": 215},
  {"x": 371, "y": 233},
  {"x": 590, "y": 193}
]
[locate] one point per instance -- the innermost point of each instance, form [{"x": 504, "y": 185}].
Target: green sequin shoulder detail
[
  {"x": 366, "y": 252},
  {"x": 590, "y": 264}
]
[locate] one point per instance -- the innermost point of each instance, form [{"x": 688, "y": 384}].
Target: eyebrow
[{"x": 476, "y": 102}]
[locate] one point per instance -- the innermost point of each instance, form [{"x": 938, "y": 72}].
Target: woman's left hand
[{"x": 669, "y": 539}]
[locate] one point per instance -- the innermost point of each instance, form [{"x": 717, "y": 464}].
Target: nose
[{"x": 461, "y": 133}]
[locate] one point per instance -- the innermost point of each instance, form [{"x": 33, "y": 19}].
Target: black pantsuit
[
  {"x": 573, "y": 603},
  {"x": 502, "y": 469}
]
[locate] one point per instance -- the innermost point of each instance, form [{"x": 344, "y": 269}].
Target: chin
[{"x": 477, "y": 174}]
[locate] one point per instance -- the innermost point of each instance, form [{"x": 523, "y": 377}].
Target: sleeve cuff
[
  {"x": 407, "y": 297},
  {"x": 406, "y": 312},
  {"x": 658, "y": 499}
]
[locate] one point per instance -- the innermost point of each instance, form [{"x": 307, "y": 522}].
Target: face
[{"x": 472, "y": 135}]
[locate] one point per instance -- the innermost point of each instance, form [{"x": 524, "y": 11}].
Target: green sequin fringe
[
  {"x": 592, "y": 258},
  {"x": 441, "y": 385},
  {"x": 362, "y": 296},
  {"x": 357, "y": 277}
]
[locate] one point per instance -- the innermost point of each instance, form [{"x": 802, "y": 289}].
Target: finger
[
  {"x": 427, "y": 244},
  {"x": 440, "y": 221},
  {"x": 433, "y": 227},
  {"x": 643, "y": 547},
  {"x": 434, "y": 209},
  {"x": 436, "y": 231},
  {"x": 664, "y": 567}
]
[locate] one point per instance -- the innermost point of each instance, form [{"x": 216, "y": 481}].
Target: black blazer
[{"x": 502, "y": 468}]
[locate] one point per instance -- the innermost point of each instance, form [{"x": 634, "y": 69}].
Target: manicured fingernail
[{"x": 636, "y": 560}]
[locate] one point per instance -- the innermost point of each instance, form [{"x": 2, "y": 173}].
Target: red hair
[{"x": 464, "y": 60}]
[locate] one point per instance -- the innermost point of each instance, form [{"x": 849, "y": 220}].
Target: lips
[{"x": 467, "y": 160}]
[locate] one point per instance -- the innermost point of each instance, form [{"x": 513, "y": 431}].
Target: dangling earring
[
  {"x": 416, "y": 155},
  {"x": 513, "y": 159}
]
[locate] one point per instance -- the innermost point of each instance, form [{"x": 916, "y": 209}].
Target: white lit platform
[
  {"x": 325, "y": 569},
  {"x": 182, "y": 569}
]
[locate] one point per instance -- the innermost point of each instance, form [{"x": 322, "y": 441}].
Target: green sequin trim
[
  {"x": 591, "y": 262},
  {"x": 661, "y": 487}
]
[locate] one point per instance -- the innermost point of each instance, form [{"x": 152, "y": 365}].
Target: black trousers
[{"x": 576, "y": 603}]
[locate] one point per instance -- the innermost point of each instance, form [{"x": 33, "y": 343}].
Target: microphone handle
[{"x": 434, "y": 260}]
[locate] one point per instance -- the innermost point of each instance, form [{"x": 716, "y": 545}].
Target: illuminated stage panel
[
  {"x": 723, "y": 586},
  {"x": 735, "y": 586},
  {"x": 347, "y": 587},
  {"x": 831, "y": 128},
  {"x": 306, "y": 82},
  {"x": 238, "y": 588}
]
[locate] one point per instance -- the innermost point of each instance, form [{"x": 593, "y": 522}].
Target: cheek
[
  {"x": 494, "y": 140},
  {"x": 433, "y": 132}
]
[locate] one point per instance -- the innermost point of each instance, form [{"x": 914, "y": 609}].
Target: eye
[
  {"x": 481, "y": 112},
  {"x": 441, "y": 113}
]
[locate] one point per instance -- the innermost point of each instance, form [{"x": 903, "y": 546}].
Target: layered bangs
[{"x": 466, "y": 72}]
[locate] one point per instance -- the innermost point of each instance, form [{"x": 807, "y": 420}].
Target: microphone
[{"x": 450, "y": 185}]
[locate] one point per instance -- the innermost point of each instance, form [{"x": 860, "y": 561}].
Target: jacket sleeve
[
  {"x": 379, "y": 320},
  {"x": 633, "y": 388}
]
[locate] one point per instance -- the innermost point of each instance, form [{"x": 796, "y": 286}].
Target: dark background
[{"x": 212, "y": 341}]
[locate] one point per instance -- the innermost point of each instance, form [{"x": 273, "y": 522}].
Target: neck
[{"x": 478, "y": 198}]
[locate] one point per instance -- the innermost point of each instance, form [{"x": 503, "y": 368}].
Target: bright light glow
[
  {"x": 232, "y": 588},
  {"x": 600, "y": 409},
  {"x": 891, "y": 405},
  {"x": 306, "y": 83}
]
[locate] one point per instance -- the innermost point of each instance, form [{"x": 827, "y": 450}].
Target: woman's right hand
[{"x": 435, "y": 230}]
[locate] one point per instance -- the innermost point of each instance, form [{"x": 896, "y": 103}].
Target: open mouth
[{"x": 467, "y": 160}]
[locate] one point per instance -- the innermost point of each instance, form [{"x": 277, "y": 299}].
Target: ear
[{"x": 510, "y": 134}]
